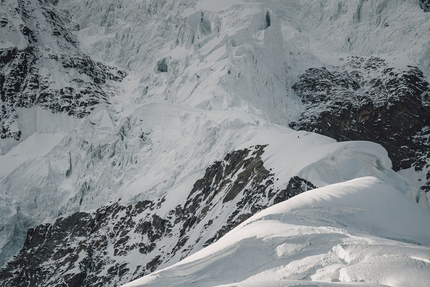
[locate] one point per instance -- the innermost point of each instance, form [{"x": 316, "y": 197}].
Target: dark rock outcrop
[
  {"x": 366, "y": 99},
  {"x": 295, "y": 186},
  {"x": 53, "y": 74},
  {"x": 93, "y": 249},
  {"x": 241, "y": 172},
  {"x": 73, "y": 250},
  {"x": 162, "y": 66},
  {"x": 425, "y": 5}
]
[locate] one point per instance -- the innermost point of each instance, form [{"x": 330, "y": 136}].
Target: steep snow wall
[
  {"x": 389, "y": 27},
  {"x": 215, "y": 56}
]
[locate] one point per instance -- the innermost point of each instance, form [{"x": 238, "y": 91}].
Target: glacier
[{"x": 204, "y": 79}]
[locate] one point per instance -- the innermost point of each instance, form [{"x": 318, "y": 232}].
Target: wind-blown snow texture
[
  {"x": 183, "y": 135},
  {"x": 339, "y": 233}
]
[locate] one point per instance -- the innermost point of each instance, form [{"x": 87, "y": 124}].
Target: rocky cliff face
[
  {"x": 41, "y": 64},
  {"x": 94, "y": 249},
  {"x": 367, "y": 99}
]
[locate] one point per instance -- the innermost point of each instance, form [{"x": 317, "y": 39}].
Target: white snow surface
[
  {"x": 355, "y": 233},
  {"x": 228, "y": 87}
]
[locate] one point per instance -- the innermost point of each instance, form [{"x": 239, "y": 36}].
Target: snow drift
[{"x": 356, "y": 231}]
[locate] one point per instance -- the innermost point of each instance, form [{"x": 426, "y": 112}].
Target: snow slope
[
  {"x": 359, "y": 233},
  {"x": 161, "y": 150},
  {"x": 207, "y": 78}
]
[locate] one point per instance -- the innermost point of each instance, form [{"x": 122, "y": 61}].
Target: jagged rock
[
  {"x": 295, "y": 186},
  {"x": 425, "y": 5},
  {"x": 365, "y": 99},
  {"x": 78, "y": 247},
  {"x": 90, "y": 249},
  {"x": 29, "y": 74},
  {"x": 240, "y": 172}
]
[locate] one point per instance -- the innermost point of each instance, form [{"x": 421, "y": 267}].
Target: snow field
[
  {"x": 226, "y": 88},
  {"x": 359, "y": 233}
]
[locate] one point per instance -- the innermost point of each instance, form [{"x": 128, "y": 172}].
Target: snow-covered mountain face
[
  {"x": 137, "y": 133},
  {"x": 366, "y": 99},
  {"x": 41, "y": 65},
  {"x": 319, "y": 238}
]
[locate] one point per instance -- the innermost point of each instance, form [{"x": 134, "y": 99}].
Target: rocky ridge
[
  {"x": 93, "y": 249},
  {"x": 367, "y": 99}
]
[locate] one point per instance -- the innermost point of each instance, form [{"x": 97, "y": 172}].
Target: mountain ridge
[{"x": 184, "y": 134}]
